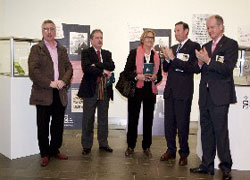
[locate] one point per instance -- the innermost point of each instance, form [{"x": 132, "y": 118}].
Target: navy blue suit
[
  {"x": 178, "y": 95},
  {"x": 217, "y": 91}
]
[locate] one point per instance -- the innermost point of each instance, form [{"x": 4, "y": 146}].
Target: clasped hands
[
  {"x": 58, "y": 84},
  {"x": 146, "y": 77},
  {"x": 202, "y": 56},
  {"x": 107, "y": 73},
  {"x": 167, "y": 52}
]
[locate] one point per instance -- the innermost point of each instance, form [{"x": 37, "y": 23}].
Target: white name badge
[
  {"x": 219, "y": 58},
  {"x": 182, "y": 56}
]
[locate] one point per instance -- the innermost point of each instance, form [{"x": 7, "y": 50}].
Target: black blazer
[
  {"x": 180, "y": 73},
  {"x": 218, "y": 76},
  {"x": 92, "y": 69},
  {"x": 130, "y": 67}
]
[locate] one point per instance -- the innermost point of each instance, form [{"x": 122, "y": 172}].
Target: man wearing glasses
[{"x": 51, "y": 72}]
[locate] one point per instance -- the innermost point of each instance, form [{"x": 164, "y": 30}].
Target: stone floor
[{"x": 108, "y": 166}]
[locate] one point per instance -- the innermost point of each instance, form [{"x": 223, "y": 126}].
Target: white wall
[
  {"x": 24, "y": 18},
  {"x": 1, "y": 17}
]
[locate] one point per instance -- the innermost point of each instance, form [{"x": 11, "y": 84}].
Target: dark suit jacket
[
  {"x": 217, "y": 75},
  {"x": 180, "y": 73},
  {"x": 41, "y": 72},
  {"x": 92, "y": 69},
  {"x": 130, "y": 67}
]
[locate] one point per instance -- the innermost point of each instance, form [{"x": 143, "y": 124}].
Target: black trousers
[
  {"x": 54, "y": 126},
  {"x": 145, "y": 96},
  {"x": 214, "y": 134},
  {"x": 177, "y": 119}
]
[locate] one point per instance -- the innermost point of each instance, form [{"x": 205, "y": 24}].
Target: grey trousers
[{"x": 89, "y": 107}]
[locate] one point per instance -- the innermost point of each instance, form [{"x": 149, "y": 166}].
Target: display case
[
  {"x": 242, "y": 70},
  {"x": 14, "y": 54},
  {"x": 18, "y": 131}
]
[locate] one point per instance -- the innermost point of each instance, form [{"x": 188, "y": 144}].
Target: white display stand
[
  {"x": 239, "y": 130},
  {"x": 18, "y": 131},
  {"x": 158, "y": 121}
]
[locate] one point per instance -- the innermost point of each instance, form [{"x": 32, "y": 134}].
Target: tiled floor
[{"x": 111, "y": 166}]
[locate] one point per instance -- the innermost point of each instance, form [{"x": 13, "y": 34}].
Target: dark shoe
[
  {"x": 129, "y": 151},
  {"x": 147, "y": 152},
  {"x": 107, "y": 148},
  {"x": 199, "y": 170},
  {"x": 183, "y": 161},
  {"x": 167, "y": 156},
  {"x": 226, "y": 176},
  {"x": 86, "y": 151},
  {"x": 61, "y": 156},
  {"x": 45, "y": 161}
]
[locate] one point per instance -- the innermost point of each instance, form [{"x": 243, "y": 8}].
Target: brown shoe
[
  {"x": 167, "y": 156},
  {"x": 183, "y": 161},
  {"x": 129, "y": 151},
  {"x": 147, "y": 152},
  {"x": 45, "y": 161},
  {"x": 61, "y": 156}
]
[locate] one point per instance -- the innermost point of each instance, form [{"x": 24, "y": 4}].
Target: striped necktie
[
  {"x": 178, "y": 48},
  {"x": 101, "y": 81}
]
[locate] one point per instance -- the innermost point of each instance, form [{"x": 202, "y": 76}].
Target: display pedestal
[
  {"x": 18, "y": 130},
  {"x": 239, "y": 130}
]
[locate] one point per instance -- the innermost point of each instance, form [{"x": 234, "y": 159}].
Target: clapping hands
[
  {"x": 167, "y": 52},
  {"x": 202, "y": 56}
]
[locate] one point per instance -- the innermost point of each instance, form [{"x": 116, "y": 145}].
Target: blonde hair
[{"x": 144, "y": 34}]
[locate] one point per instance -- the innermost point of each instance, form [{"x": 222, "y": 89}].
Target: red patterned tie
[
  {"x": 99, "y": 58},
  {"x": 101, "y": 81},
  {"x": 99, "y": 55}
]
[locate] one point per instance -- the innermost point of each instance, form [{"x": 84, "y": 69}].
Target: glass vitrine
[
  {"x": 242, "y": 69},
  {"x": 14, "y": 54}
]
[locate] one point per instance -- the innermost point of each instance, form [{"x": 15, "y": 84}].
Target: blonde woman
[{"x": 145, "y": 91}]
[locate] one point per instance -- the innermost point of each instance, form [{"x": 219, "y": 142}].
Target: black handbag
[{"x": 125, "y": 87}]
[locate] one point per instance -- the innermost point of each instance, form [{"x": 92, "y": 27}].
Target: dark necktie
[
  {"x": 99, "y": 59},
  {"x": 99, "y": 55},
  {"x": 178, "y": 48}
]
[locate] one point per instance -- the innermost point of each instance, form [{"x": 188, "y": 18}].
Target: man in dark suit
[
  {"x": 97, "y": 65},
  {"x": 216, "y": 61},
  {"x": 51, "y": 72},
  {"x": 178, "y": 93}
]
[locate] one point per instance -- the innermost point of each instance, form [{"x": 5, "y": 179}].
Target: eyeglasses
[
  {"x": 149, "y": 37},
  {"x": 48, "y": 29}
]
